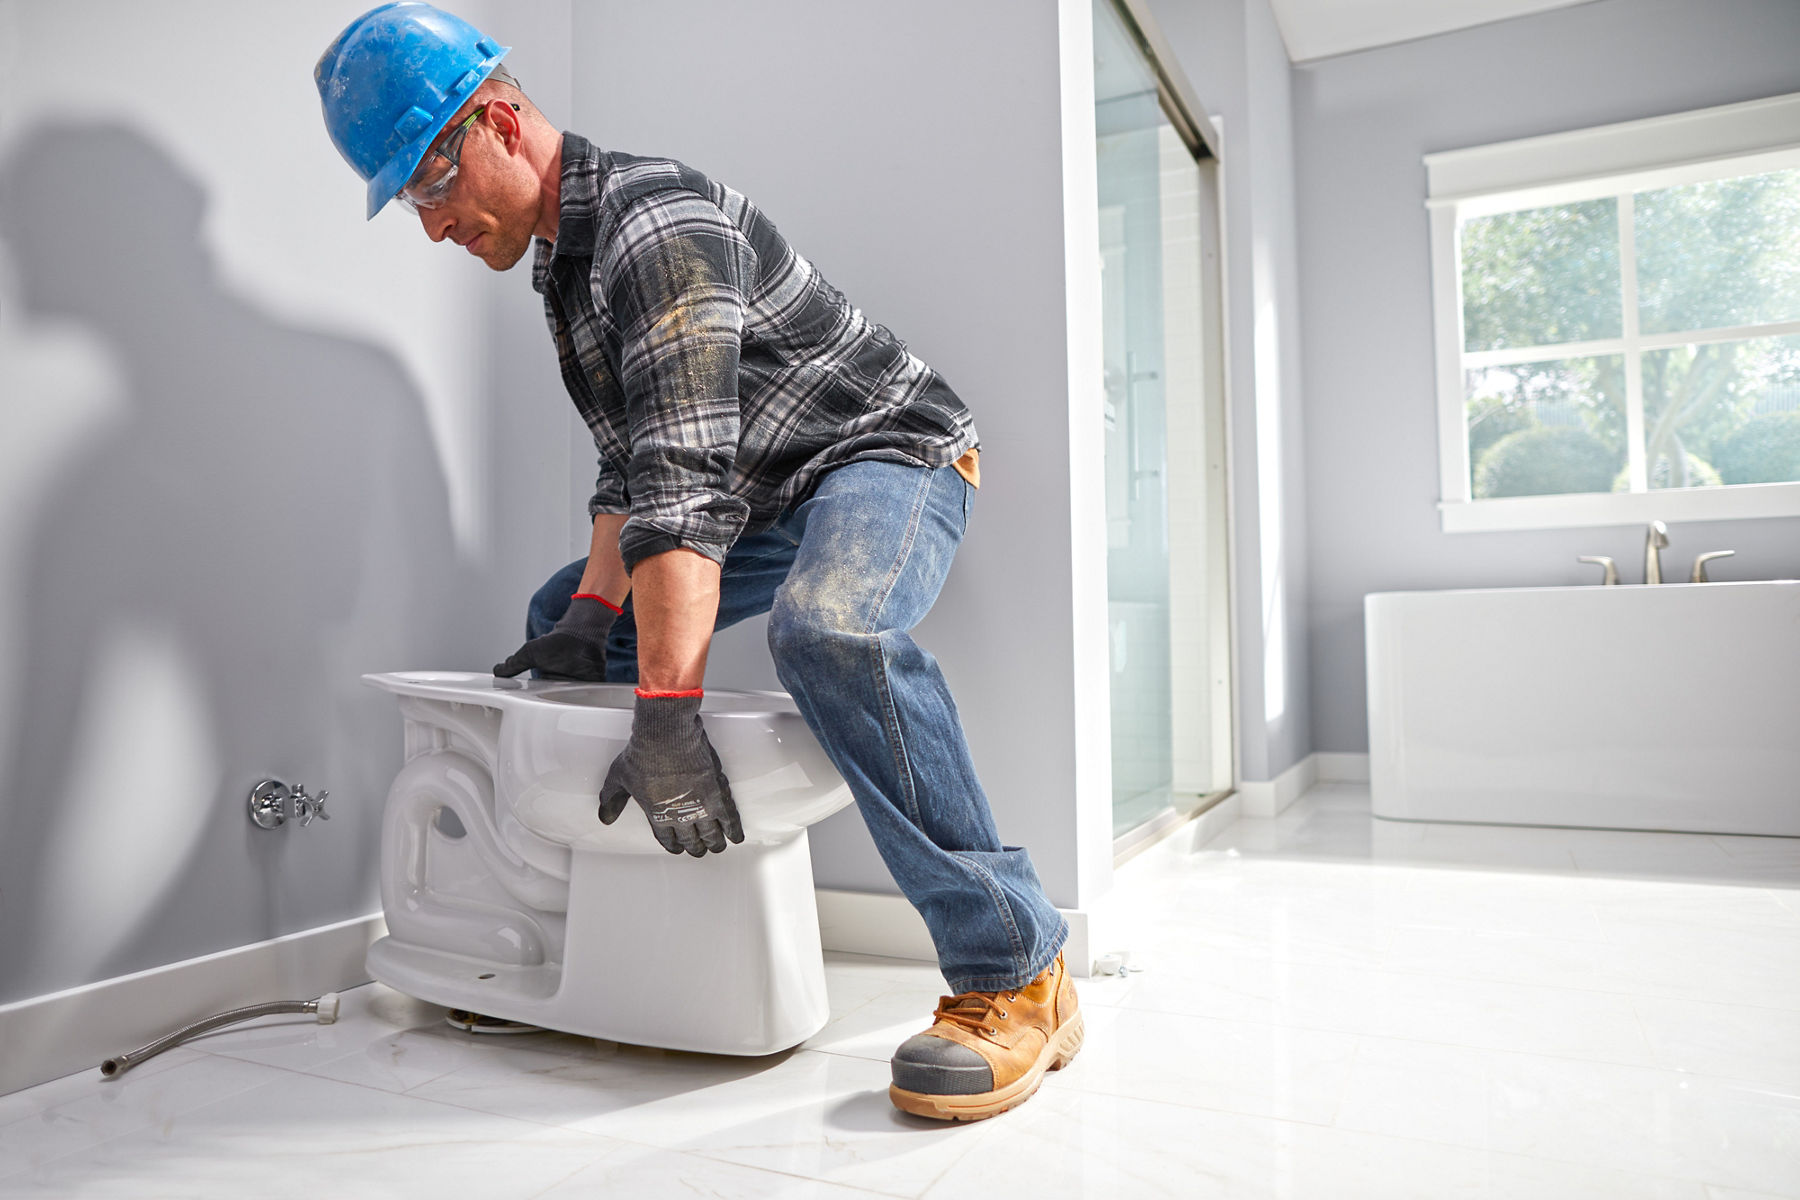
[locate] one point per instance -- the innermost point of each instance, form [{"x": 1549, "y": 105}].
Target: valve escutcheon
[{"x": 269, "y": 803}]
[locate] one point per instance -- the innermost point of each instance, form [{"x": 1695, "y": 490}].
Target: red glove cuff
[
  {"x": 601, "y": 599},
  {"x": 670, "y": 695}
]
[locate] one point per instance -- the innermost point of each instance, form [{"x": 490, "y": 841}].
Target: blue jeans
[{"x": 844, "y": 577}]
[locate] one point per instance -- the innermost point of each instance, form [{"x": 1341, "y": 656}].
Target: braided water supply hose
[{"x": 324, "y": 1007}]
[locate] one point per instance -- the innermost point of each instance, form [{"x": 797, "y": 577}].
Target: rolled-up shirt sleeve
[
  {"x": 676, "y": 277},
  {"x": 610, "y": 494}
]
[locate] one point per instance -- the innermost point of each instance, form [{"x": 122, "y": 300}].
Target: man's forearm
[
  {"x": 605, "y": 574},
  {"x": 675, "y": 596}
]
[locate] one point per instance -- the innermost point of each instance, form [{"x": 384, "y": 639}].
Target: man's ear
[{"x": 505, "y": 118}]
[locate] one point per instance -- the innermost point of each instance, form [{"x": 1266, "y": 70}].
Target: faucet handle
[
  {"x": 1612, "y": 570},
  {"x": 1699, "y": 575},
  {"x": 307, "y": 807}
]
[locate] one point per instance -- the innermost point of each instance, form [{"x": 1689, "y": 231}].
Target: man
[{"x": 762, "y": 448}]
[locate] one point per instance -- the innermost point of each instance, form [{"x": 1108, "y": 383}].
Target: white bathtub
[{"x": 1673, "y": 707}]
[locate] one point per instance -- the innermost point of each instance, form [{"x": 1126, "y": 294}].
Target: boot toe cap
[{"x": 936, "y": 1066}]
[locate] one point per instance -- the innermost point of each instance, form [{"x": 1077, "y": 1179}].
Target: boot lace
[{"x": 974, "y": 1011}]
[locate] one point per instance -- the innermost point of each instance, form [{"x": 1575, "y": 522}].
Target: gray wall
[
  {"x": 912, "y": 153},
  {"x": 1363, "y": 121},
  {"x": 1232, "y": 54},
  {"x": 250, "y": 447}
]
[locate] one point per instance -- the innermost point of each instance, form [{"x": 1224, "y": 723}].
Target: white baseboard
[
  {"x": 1270, "y": 798},
  {"x": 1267, "y": 798},
  {"x": 1342, "y": 766},
  {"x": 890, "y": 927},
  {"x": 47, "y": 1037}
]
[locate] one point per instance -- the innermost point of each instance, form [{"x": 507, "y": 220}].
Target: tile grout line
[
  {"x": 1380, "y": 1135},
  {"x": 1465, "y": 1147},
  {"x": 714, "y": 1157},
  {"x": 1478, "y": 979},
  {"x": 578, "y": 1170},
  {"x": 701, "y": 1156},
  {"x": 1360, "y": 1035}
]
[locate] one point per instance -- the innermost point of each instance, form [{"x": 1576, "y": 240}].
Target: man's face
[{"x": 492, "y": 206}]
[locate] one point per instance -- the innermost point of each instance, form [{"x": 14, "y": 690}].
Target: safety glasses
[{"x": 430, "y": 185}]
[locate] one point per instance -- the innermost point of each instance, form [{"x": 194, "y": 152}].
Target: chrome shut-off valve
[{"x": 272, "y": 802}]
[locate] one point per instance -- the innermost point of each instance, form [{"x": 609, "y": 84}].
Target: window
[{"x": 1618, "y": 322}]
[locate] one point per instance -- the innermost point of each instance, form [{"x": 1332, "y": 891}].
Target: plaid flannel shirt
[{"x": 720, "y": 374}]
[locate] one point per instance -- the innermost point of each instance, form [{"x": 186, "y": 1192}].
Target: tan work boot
[{"x": 988, "y": 1051}]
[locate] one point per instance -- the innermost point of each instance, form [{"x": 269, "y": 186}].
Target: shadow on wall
[{"x": 263, "y": 520}]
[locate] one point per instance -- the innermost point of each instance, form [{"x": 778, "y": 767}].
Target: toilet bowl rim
[{"x": 470, "y": 687}]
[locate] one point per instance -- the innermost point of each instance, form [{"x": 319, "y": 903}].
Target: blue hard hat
[{"x": 391, "y": 81}]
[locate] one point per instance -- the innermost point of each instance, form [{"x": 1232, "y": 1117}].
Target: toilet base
[{"x": 719, "y": 955}]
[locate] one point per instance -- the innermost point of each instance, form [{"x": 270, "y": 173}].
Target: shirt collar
[{"x": 577, "y": 207}]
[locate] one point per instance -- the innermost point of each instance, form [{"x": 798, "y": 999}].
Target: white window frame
[{"x": 1566, "y": 168}]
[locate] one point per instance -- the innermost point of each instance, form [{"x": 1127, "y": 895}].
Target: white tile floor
[{"x": 1333, "y": 1007}]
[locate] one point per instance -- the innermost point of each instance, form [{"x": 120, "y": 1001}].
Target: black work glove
[
  {"x": 673, "y": 773},
  {"x": 575, "y": 647}
]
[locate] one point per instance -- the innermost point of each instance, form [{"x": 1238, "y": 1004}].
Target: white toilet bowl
[{"x": 536, "y": 912}]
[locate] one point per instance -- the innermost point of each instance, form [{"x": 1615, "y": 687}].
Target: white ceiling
[{"x": 1318, "y": 28}]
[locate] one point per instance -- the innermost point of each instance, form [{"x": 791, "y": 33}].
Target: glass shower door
[{"x": 1156, "y": 425}]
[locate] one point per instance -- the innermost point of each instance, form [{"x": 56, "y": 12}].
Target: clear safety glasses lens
[{"x": 431, "y": 192}]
